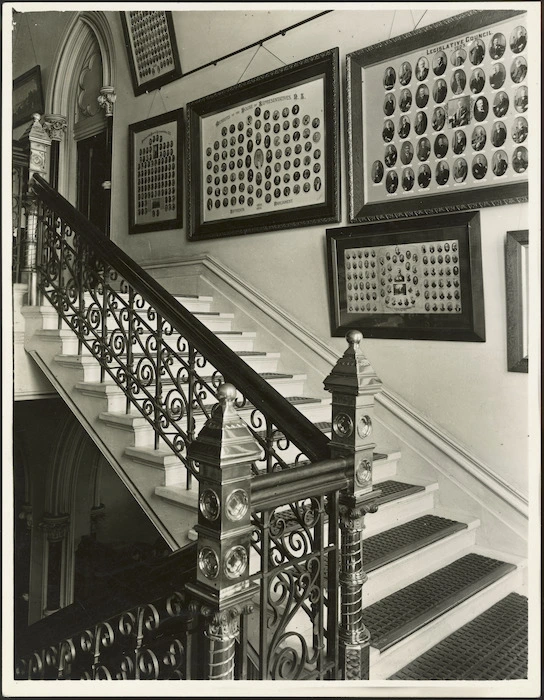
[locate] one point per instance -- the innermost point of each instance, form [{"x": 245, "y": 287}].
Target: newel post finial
[
  {"x": 224, "y": 450},
  {"x": 353, "y": 384}
]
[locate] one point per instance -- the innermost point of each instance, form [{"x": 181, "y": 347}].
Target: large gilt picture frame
[
  {"x": 152, "y": 48},
  {"x": 418, "y": 279},
  {"x": 264, "y": 155},
  {"x": 438, "y": 118},
  {"x": 155, "y": 173}
]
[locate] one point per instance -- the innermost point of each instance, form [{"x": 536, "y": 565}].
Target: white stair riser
[
  {"x": 397, "y": 512},
  {"x": 141, "y": 481},
  {"x": 401, "y": 573},
  {"x": 382, "y": 666},
  {"x": 195, "y": 305},
  {"x": 239, "y": 341},
  {"x": 214, "y": 323}
]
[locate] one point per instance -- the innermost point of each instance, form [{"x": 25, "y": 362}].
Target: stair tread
[
  {"x": 399, "y": 541},
  {"x": 398, "y": 615},
  {"x": 392, "y": 489},
  {"x": 492, "y": 646}
]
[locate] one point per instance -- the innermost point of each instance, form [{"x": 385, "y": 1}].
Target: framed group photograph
[
  {"x": 264, "y": 155},
  {"x": 27, "y": 96},
  {"x": 438, "y": 118},
  {"x": 152, "y": 49},
  {"x": 155, "y": 180},
  {"x": 418, "y": 279}
]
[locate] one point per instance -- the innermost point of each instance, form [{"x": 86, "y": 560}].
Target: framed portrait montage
[
  {"x": 438, "y": 118},
  {"x": 263, "y": 155},
  {"x": 152, "y": 49},
  {"x": 155, "y": 182},
  {"x": 418, "y": 279}
]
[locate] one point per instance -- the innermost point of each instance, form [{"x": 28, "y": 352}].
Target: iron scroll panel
[
  {"x": 149, "y": 642},
  {"x": 162, "y": 374},
  {"x": 294, "y": 623}
]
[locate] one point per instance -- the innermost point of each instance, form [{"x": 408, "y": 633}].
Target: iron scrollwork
[
  {"x": 162, "y": 374},
  {"x": 145, "y": 643}
]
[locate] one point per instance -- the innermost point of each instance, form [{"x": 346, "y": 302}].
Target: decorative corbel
[{"x": 106, "y": 99}]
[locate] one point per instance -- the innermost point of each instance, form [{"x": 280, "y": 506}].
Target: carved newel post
[
  {"x": 37, "y": 144},
  {"x": 224, "y": 451},
  {"x": 353, "y": 384}
]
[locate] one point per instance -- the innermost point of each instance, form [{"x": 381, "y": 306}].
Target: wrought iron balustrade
[
  {"x": 151, "y": 641},
  {"x": 277, "y": 592},
  {"x": 151, "y": 346}
]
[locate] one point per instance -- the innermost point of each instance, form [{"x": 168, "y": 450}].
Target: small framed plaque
[
  {"x": 155, "y": 187},
  {"x": 152, "y": 49}
]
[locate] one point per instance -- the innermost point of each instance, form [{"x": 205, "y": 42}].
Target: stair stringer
[
  {"x": 466, "y": 484},
  {"x": 172, "y": 521}
]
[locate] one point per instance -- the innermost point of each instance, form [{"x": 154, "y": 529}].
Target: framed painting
[
  {"x": 155, "y": 177},
  {"x": 151, "y": 47},
  {"x": 438, "y": 118},
  {"x": 27, "y": 96},
  {"x": 419, "y": 279},
  {"x": 517, "y": 300},
  {"x": 264, "y": 155}
]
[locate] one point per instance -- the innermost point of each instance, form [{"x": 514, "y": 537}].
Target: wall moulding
[{"x": 465, "y": 470}]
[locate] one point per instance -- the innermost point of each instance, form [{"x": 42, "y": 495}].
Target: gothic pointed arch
[
  {"x": 87, "y": 48},
  {"x": 71, "y": 492}
]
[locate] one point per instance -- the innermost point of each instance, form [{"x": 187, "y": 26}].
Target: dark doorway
[{"x": 93, "y": 179}]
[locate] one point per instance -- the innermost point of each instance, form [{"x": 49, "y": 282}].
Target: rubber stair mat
[
  {"x": 400, "y": 614},
  {"x": 391, "y": 489},
  {"x": 399, "y": 541},
  {"x": 491, "y": 647}
]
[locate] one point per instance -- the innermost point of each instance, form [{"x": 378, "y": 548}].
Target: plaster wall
[{"x": 463, "y": 387}]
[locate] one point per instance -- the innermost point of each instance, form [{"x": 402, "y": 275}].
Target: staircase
[{"x": 427, "y": 577}]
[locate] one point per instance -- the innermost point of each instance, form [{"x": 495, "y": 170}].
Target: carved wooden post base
[
  {"x": 224, "y": 451},
  {"x": 353, "y": 636},
  {"x": 353, "y": 384},
  {"x": 221, "y": 632}
]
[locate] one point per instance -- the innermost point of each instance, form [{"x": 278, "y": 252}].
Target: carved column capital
[
  {"x": 222, "y": 625},
  {"x": 55, "y": 126},
  {"x": 106, "y": 99},
  {"x": 55, "y": 526},
  {"x": 26, "y": 515}
]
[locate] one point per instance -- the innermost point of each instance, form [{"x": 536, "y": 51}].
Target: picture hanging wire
[
  {"x": 259, "y": 43},
  {"x": 253, "y": 57}
]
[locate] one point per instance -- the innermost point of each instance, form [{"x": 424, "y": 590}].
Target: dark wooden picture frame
[
  {"x": 156, "y": 172},
  {"x": 437, "y": 120},
  {"x": 278, "y": 131},
  {"x": 27, "y": 96},
  {"x": 154, "y": 29},
  {"x": 419, "y": 279},
  {"x": 517, "y": 319}
]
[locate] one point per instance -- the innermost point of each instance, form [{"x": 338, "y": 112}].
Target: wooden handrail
[
  {"x": 294, "y": 425},
  {"x": 291, "y": 485}
]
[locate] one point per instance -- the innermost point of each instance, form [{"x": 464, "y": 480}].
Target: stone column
[
  {"x": 224, "y": 451},
  {"x": 353, "y": 384},
  {"x": 55, "y": 126}
]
